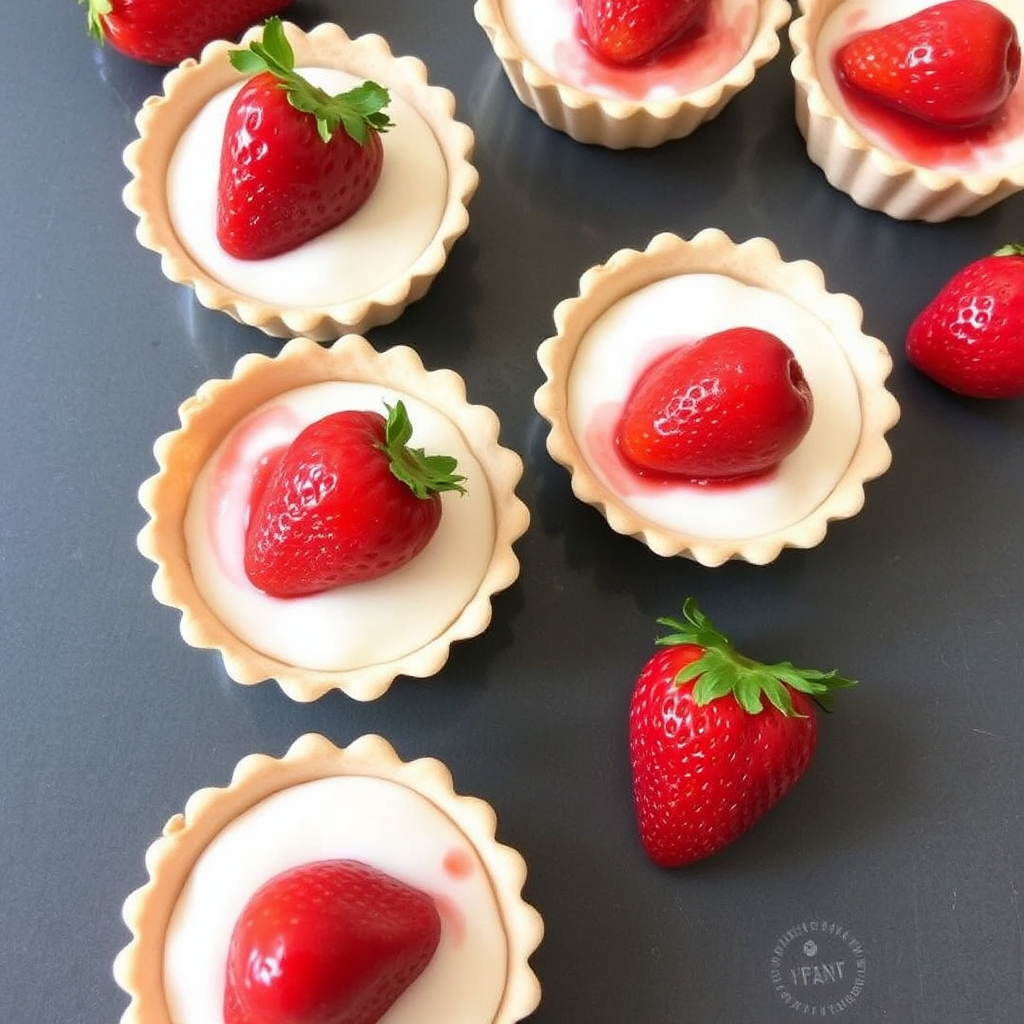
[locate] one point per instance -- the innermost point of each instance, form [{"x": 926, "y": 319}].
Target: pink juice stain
[
  {"x": 240, "y": 476},
  {"x": 457, "y": 864},
  {"x": 702, "y": 55},
  {"x": 452, "y": 917}
]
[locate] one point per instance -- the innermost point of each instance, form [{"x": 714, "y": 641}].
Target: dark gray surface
[{"x": 907, "y": 830}]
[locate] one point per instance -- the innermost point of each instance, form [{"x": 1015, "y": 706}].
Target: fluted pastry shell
[
  {"x": 624, "y": 124},
  {"x": 219, "y": 405},
  {"x": 190, "y": 86},
  {"x": 873, "y": 177},
  {"x": 138, "y": 968},
  {"x": 755, "y": 262}
]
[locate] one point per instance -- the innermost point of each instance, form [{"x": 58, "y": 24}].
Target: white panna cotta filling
[
  {"x": 648, "y": 323},
  {"x": 548, "y": 34},
  {"x": 998, "y": 149},
  {"x": 377, "y": 244},
  {"x": 381, "y": 823},
  {"x": 361, "y": 623}
]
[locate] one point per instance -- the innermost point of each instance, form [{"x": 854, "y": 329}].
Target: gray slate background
[{"x": 907, "y": 832}]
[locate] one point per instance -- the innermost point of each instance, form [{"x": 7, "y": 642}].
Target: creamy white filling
[
  {"x": 637, "y": 329},
  {"x": 1003, "y": 150},
  {"x": 378, "y": 822},
  {"x": 546, "y": 30},
  {"x": 358, "y": 624},
  {"x": 354, "y": 259}
]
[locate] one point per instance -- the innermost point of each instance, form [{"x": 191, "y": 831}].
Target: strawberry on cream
[
  {"x": 352, "y": 260},
  {"x": 995, "y": 147},
  {"x": 353, "y": 625},
  {"x": 379, "y": 822},
  {"x": 549, "y": 34},
  {"x": 646, "y": 324}
]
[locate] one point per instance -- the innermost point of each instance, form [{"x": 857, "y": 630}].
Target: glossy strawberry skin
[
  {"x": 332, "y": 942},
  {"x": 629, "y": 31},
  {"x": 280, "y": 184},
  {"x": 167, "y": 31},
  {"x": 970, "y": 337},
  {"x": 704, "y": 775},
  {"x": 332, "y": 513},
  {"x": 733, "y": 404},
  {"x": 954, "y": 64}
]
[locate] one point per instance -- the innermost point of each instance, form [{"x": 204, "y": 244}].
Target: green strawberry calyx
[
  {"x": 96, "y": 11},
  {"x": 722, "y": 670},
  {"x": 424, "y": 474},
  {"x": 359, "y": 111},
  {"x": 1009, "y": 250}
]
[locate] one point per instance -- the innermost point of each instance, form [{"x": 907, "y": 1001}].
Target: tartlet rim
[
  {"x": 756, "y": 261},
  {"x": 624, "y": 123},
  {"x": 187, "y": 87},
  {"x": 870, "y": 175},
  {"x": 138, "y": 966},
  {"x": 220, "y": 404}
]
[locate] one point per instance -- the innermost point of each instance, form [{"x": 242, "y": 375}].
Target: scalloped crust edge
[
  {"x": 138, "y": 967},
  {"x": 219, "y": 405},
  {"x": 757, "y": 262},
  {"x": 622, "y": 124},
  {"x": 188, "y": 87},
  {"x": 871, "y": 177}
]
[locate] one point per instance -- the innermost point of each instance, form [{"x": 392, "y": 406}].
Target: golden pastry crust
[
  {"x": 138, "y": 968},
  {"x": 756, "y": 262},
  {"x": 623, "y": 124},
  {"x": 189, "y": 87},
  {"x": 219, "y": 405},
  {"x": 873, "y": 178}
]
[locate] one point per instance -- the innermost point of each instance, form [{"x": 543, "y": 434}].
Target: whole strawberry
[
  {"x": 167, "y": 31},
  {"x": 709, "y": 756},
  {"x": 331, "y": 942},
  {"x": 294, "y": 161},
  {"x": 629, "y": 31},
  {"x": 954, "y": 64},
  {"x": 732, "y": 404},
  {"x": 970, "y": 337},
  {"x": 348, "y": 501}
]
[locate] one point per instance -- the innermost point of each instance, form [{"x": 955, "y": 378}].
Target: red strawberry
[
  {"x": 332, "y": 942},
  {"x": 953, "y": 64},
  {"x": 970, "y": 337},
  {"x": 295, "y": 161},
  {"x": 168, "y": 31},
  {"x": 709, "y": 759},
  {"x": 730, "y": 405},
  {"x": 348, "y": 501},
  {"x": 627, "y": 31}
]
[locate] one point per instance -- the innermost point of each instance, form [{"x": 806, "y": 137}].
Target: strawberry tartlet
[
  {"x": 885, "y": 158},
  {"x": 645, "y": 102},
  {"x": 627, "y": 318},
  {"x": 360, "y": 273},
  {"x": 359, "y": 805},
  {"x": 344, "y": 637}
]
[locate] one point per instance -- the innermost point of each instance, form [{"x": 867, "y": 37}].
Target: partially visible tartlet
[
  {"x": 361, "y": 273},
  {"x": 358, "y": 637},
  {"x": 637, "y": 306},
  {"x": 276, "y": 814},
  {"x": 950, "y": 175},
  {"x": 571, "y": 90}
]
